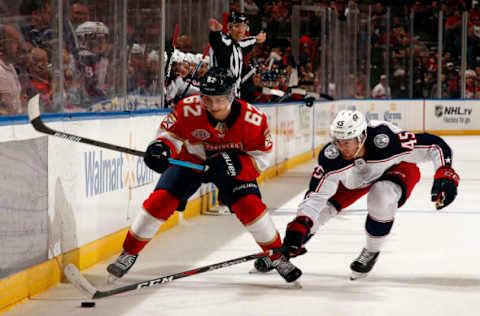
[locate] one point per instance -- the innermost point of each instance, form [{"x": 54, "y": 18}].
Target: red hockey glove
[
  {"x": 444, "y": 189},
  {"x": 296, "y": 235}
]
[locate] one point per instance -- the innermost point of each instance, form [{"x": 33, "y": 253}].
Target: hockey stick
[
  {"x": 79, "y": 281},
  {"x": 249, "y": 74},
  {"x": 304, "y": 92},
  {"x": 194, "y": 76},
  {"x": 170, "y": 53},
  {"x": 37, "y": 123}
]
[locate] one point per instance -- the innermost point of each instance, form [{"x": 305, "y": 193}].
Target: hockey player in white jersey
[{"x": 378, "y": 159}]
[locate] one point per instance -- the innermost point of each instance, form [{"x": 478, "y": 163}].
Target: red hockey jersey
[{"x": 194, "y": 135}]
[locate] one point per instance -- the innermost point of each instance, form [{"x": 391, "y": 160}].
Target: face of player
[
  {"x": 218, "y": 105},
  {"x": 238, "y": 31},
  {"x": 349, "y": 147}
]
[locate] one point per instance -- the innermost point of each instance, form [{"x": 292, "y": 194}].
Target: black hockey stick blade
[
  {"x": 80, "y": 282},
  {"x": 326, "y": 96},
  {"x": 37, "y": 123}
]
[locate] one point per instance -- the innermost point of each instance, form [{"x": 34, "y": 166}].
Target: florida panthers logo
[
  {"x": 169, "y": 121},
  {"x": 201, "y": 134}
]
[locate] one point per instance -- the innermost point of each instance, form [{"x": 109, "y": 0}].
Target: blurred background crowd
[{"x": 85, "y": 55}]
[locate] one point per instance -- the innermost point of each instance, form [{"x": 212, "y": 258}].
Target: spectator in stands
[
  {"x": 470, "y": 84},
  {"x": 251, "y": 7},
  {"x": 93, "y": 62},
  {"x": 382, "y": 89},
  {"x": 37, "y": 30},
  {"x": 79, "y": 13},
  {"x": 434, "y": 91},
  {"x": 452, "y": 80},
  {"x": 40, "y": 73},
  {"x": 153, "y": 73},
  {"x": 22, "y": 66},
  {"x": 453, "y": 28},
  {"x": 137, "y": 70},
  {"x": 184, "y": 43},
  {"x": 10, "y": 88}
]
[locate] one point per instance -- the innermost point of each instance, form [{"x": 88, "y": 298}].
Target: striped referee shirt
[{"x": 228, "y": 53}]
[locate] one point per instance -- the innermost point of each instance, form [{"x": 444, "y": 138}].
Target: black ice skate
[
  {"x": 263, "y": 265},
  {"x": 284, "y": 267},
  {"x": 121, "y": 266},
  {"x": 363, "y": 264}
]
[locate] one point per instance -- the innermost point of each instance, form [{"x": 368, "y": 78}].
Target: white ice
[{"x": 430, "y": 265}]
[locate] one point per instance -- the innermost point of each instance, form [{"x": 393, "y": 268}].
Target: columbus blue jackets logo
[
  {"x": 201, "y": 134},
  {"x": 381, "y": 140},
  {"x": 331, "y": 152}
]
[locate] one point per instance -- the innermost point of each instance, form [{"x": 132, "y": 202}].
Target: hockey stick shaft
[
  {"x": 194, "y": 76},
  {"x": 169, "y": 57},
  {"x": 249, "y": 74},
  {"x": 75, "y": 277},
  {"x": 37, "y": 123}
]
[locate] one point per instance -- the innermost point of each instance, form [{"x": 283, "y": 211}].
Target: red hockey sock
[
  {"x": 277, "y": 243},
  {"x": 133, "y": 245}
]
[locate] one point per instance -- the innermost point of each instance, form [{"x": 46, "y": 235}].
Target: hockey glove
[
  {"x": 309, "y": 100},
  {"x": 156, "y": 156},
  {"x": 223, "y": 164},
  {"x": 296, "y": 235},
  {"x": 444, "y": 189}
]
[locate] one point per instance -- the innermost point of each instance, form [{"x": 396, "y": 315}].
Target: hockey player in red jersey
[
  {"x": 229, "y": 136},
  {"x": 377, "y": 159}
]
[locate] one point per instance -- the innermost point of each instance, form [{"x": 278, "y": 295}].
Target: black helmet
[
  {"x": 236, "y": 17},
  {"x": 217, "y": 81}
]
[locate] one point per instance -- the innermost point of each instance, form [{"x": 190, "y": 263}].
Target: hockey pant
[
  {"x": 384, "y": 197},
  {"x": 174, "y": 188}
]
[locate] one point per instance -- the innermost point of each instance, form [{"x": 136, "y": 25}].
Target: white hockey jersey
[{"x": 386, "y": 145}]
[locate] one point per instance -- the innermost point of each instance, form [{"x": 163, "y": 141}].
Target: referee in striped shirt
[{"x": 228, "y": 50}]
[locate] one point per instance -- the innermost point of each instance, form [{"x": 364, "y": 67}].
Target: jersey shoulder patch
[
  {"x": 381, "y": 140},
  {"x": 331, "y": 152},
  {"x": 331, "y": 159}
]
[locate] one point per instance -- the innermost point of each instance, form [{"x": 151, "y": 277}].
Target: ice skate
[
  {"x": 282, "y": 265},
  {"x": 286, "y": 269},
  {"x": 121, "y": 266},
  {"x": 262, "y": 265},
  {"x": 363, "y": 264}
]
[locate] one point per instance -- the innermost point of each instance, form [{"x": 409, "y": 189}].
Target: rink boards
[{"x": 72, "y": 203}]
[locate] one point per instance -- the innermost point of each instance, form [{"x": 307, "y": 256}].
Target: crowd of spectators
[
  {"x": 276, "y": 17},
  {"x": 91, "y": 62}
]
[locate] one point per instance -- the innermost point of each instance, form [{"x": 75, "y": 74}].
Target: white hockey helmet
[
  {"x": 198, "y": 58},
  {"x": 348, "y": 124},
  {"x": 177, "y": 56},
  {"x": 92, "y": 38},
  {"x": 91, "y": 27},
  {"x": 153, "y": 56},
  {"x": 189, "y": 58}
]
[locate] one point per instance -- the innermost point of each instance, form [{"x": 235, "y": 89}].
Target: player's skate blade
[
  {"x": 357, "y": 275},
  {"x": 111, "y": 279},
  {"x": 286, "y": 269},
  {"x": 363, "y": 264}
]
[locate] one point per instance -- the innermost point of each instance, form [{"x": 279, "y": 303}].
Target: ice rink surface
[{"x": 430, "y": 265}]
